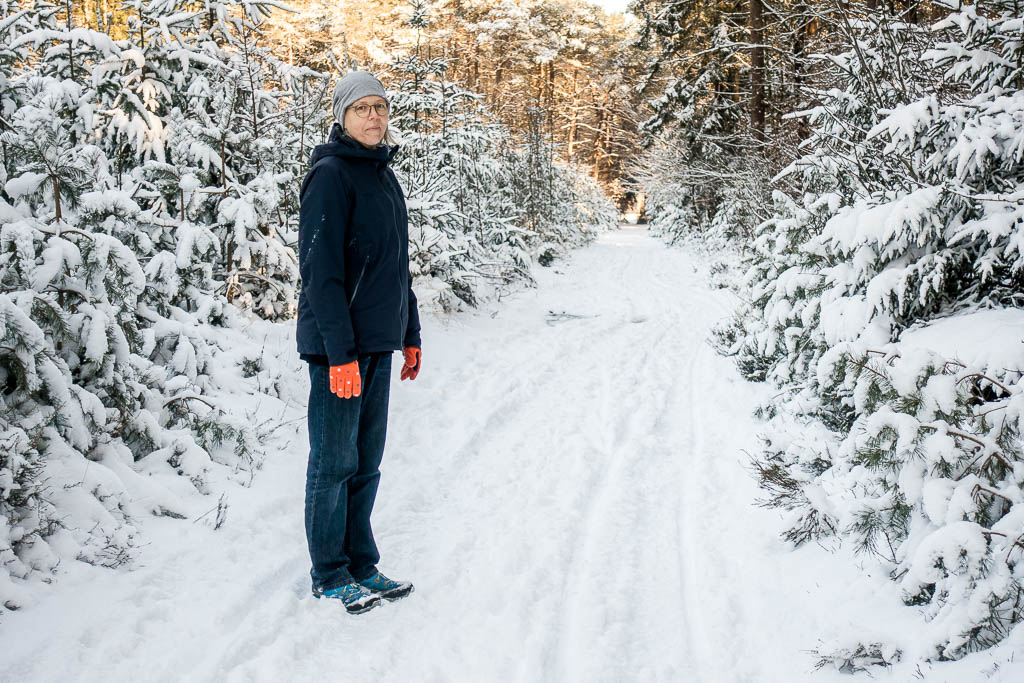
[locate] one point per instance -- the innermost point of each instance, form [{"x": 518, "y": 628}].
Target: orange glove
[
  {"x": 412, "y": 362},
  {"x": 345, "y": 381}
]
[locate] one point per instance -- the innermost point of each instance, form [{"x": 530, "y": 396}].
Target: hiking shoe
[
  {"x": 385, "y": 587},
  {"x": 354, "y": 597}
]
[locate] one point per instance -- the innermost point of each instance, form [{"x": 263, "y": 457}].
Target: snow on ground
[{"x": 565, "y": 483}]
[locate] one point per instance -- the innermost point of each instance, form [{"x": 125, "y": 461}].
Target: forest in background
[{"x": 562, "y": 71}]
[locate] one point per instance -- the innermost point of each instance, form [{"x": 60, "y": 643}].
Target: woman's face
[{"x": 367, "y": 131}]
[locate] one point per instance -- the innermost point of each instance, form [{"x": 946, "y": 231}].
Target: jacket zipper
[
  {"x": 393, "y": 192},
  {"x": 359, "y": 280},
  {"x": 395, "y": 197}
]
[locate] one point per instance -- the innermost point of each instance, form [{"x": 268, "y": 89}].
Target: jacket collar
[
  {"x": 353, "y": 149},
  {"x": 340, "y": 145}
]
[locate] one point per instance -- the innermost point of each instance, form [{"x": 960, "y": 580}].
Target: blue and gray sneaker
[
  {"x": 354, "y": 597},
  {"x": 385, "y": 587}
]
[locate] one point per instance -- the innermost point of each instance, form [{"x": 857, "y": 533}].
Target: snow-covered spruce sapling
[
  {"x": 931, "y": 480},
  {"x": 81, "y": 392},
  {"x": 213, "y": 427},
  {"x": 49, "y": 168},
  {"x": 426, "y": 109}
]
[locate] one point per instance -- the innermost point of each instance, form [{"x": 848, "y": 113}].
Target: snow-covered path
[{"x": 565, "y": 483}]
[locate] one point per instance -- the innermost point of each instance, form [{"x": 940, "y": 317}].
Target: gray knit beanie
[{"x": 354, "y": 86}]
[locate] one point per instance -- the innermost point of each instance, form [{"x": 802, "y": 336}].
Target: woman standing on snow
[{"x": 356, "y": 307}]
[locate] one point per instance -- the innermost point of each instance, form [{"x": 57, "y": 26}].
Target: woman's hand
[
  {"x": 345, "y": 381},
  {"x": 412, "y": 362}
]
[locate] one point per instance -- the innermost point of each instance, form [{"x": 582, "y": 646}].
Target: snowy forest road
[{"x": 565, "y": 483}]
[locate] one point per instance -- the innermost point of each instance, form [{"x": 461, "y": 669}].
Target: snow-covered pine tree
[
  {"x": 929, "y": 480},
  {"x": 561, "y": 206},
  {"x": 424, "y": 109},
  {"x": 704, "y": 173},
  {"x": 478, "y": 205},
  {"x": 90, "y": 373},
  {"x": 909, "y": 210},
  {"x": 534, "y": 183},
  {"x": 790, "y": 259},
  {"x": 231, "y": 157},
  {"x": 114, "y": 215}
]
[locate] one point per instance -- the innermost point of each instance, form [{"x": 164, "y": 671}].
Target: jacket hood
[{"x": 340, "y": 145}]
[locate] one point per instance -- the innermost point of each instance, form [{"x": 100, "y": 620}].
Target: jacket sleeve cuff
[{"x": 341, "y": 358}]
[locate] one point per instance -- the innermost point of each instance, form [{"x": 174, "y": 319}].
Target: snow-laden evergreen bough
[
  {"x": 929, "y": 478},
  {"x": 105, "y": 357},
  {"x": 911, "y": 209},
  {"x": 134, "y": 205}
]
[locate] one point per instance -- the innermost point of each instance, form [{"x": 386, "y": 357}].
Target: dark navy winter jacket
[{"x": 356, "y": 293}]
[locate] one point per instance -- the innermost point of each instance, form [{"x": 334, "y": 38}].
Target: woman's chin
[{"x": 371, "y": 140}]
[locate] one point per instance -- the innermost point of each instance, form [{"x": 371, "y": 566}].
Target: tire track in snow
[
  {"x": 254, "y": 621},
  {"x": 520, "y": 426},
  {"x": 552, "y": 534},
  {"x": 690, "y": 509},
  {"x": 617, "y": 578}
]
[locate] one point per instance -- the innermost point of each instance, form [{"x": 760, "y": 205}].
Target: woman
[{"x": 356, "y": 307}]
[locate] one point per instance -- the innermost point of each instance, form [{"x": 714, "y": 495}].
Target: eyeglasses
[{"x": 363, "y": 110}]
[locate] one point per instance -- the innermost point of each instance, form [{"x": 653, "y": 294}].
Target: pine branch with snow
[{"x": 907, "y": 213}]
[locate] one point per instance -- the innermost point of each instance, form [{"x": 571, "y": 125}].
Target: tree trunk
[
  {"x": 912, "y": 13},
  {"x": 56, "y": 196},
  {"x": 574, "y": 116},
  {"x": 800, "y": 40},
  {"x": 1019, "y": 81},
  {"x": 253, "y": 102},
  {"x": 604, "y": 175},
  {"x": 551, "y": 100},
  {"x": 302, "y": 120},
  {"x": 71, "y": 45},
  {"x": 757, "y": 104}
]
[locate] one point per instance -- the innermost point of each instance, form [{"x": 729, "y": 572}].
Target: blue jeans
[{"x": 346, "y": 442}]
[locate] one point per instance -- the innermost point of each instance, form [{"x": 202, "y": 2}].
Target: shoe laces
[
  {"x": 378, "y": 580},
  {"x": 354, "y": 590},
  {"x": 350, "y": 592}
]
